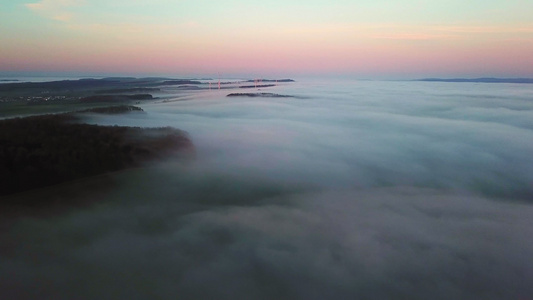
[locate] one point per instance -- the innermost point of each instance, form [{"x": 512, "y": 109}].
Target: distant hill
[
  {"x": 480, "y": 80},
  {"x": 116, "y": 98},
  {"x": 265, "y": 95},
  {"x": 271, "y": 80}
]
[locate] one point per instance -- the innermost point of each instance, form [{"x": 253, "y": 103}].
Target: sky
[{"x": 370, "y": 38}]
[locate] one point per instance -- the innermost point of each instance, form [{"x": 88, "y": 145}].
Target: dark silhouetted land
[
  {"x": 128, "y": 90},
  {"x": 266, "y": 95},
  {"x": 113, "y": 110},
  {"x": 116, "y": 98},
  {"x": 256, "y": 86},
  {"x": 45, "y": 150},
  {"x": 273, "y": 80},
  {"x": 34, "y": 98},
  {"x": 48, "y": 149},
  {"x": 480, "y": 80}
]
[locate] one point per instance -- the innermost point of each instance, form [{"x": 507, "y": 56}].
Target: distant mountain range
[{"x": 482, "y": 80}]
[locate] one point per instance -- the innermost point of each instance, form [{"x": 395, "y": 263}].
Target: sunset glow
[{"x": 364, "y": 38}]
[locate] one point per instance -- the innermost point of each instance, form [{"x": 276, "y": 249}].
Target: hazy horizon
[{"x": 52, "y": 76}]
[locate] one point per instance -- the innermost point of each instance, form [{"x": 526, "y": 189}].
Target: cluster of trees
[{"x": 45, "y": 150}]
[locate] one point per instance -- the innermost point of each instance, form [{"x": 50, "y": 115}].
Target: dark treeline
[
  {"x": 272, "y": 80},
  {"x": 267, "y": 95},
  {"x": 128, "y": 90},
  {"x": 113, "y": 110},
  {"x": 256, "y": 86},
  {"x": 115, "y": 98},
  {"x": 89, "y": 85},
  {"x": 45, "y": 150},
  {"x": 480, "y": 80},
  {"x": 64, "y": 84},
  {"x": 181, "y": 81}
]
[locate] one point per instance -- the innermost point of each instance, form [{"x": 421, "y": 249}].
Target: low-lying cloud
[
  {"x": 384, "y": 243},
  {"x": 367, "y": 191}
]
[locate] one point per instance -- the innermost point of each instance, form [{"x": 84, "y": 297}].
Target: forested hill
[{"x": 45, "y": 150}]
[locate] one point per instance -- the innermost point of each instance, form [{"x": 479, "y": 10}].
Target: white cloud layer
[{"x": 366, "y": 190}]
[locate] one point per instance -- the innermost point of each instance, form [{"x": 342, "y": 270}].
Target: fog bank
[{"x": 367, "y": 190}]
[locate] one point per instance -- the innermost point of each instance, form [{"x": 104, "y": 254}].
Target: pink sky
[{"x": 64, "y": 35}]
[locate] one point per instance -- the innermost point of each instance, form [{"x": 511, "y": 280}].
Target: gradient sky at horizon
[{"x": 374, "y": 39}]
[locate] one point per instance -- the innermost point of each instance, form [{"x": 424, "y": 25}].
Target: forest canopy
[{"x": 45, "y": 150}]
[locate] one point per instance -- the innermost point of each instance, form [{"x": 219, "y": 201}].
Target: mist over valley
[{"x": 347, "y": 189}]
